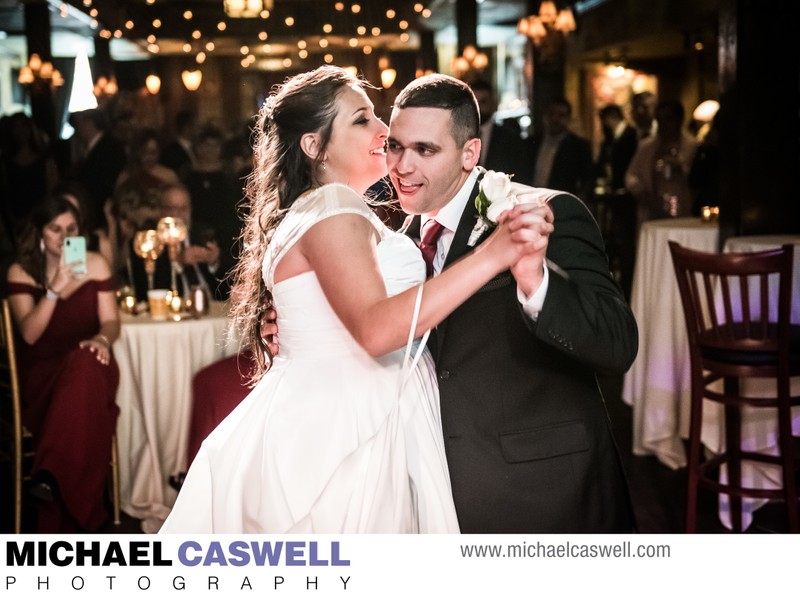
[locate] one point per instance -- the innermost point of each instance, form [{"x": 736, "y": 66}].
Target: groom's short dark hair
[{"x": 445, "y": 92}]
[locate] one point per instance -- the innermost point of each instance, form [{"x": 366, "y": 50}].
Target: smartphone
[{"x": 75, "y": 254}]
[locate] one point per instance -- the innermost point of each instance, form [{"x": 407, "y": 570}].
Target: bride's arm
[{"x": 342, "y": 252}]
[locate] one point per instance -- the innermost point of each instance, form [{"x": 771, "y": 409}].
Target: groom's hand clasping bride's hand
[{"x": 529, "y": 223}]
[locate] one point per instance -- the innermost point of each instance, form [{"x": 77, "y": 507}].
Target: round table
[
  {"x": 658, "y": 384},
  {"x": 157, "y": 360}
]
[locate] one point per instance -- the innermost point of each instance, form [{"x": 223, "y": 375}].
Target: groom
[{"x": 526, "y": 430}]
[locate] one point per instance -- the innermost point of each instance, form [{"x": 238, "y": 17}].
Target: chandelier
[
  {"x": 37, "y": 73},
  {"x": 246, "y": 9},
  {"x": 549, "y": 19}
]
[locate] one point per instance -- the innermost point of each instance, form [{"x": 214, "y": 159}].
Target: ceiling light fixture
[{"x": 246, "y": 9}]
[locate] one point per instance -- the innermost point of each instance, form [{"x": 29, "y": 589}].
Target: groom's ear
[
  {"x": 309, "y": 143},
  {"x": 471, "y": 153}
]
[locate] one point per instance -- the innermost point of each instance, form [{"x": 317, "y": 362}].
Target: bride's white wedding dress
[{"x": 328, "y": 441}]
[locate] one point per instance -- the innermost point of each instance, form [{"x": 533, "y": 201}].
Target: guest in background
[
  {"x": 130, "y": 210},
  {"x": 502, "y": 147},
  {"x": 657, "y": 175},
  {"x": 200, "y": 257},
  {"x": 68, "y": 376},
  {"x": 704, "y": 176},
  {"x": 562, "y": 159},
  {"x": 643, "y": 114},
  {"x": 143, "y": 168},
  {"x": 617, "y": 149},
  {"x": 178, "y": 154},
  {"x": 215, "y": 193},
  {"x": 96, "y": 160}
]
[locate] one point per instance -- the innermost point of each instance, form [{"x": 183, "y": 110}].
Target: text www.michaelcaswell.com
[{"x": 566, "y": 550}]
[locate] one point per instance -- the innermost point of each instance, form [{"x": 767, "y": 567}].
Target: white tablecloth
[
  {"x": 658, "y": 384},
  {"x": 157, "y": 361}
]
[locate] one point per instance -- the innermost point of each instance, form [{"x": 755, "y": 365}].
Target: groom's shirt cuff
[{"x": 533, "y": 305}]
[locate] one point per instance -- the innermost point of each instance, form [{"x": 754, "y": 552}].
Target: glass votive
[
  {"x": 129, "y": 304},
  {"x": 176, "y": 304},
  {"x": 707, "y": 213}
]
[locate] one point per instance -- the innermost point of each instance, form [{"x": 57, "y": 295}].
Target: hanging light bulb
[
  {"x": 153, "y": 84},
  {"x": 192, "y": 79}
]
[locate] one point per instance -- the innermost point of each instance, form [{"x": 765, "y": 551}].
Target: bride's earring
[
  {"x": 41, "y": 245},
  {"x": 324, "y": 167}
]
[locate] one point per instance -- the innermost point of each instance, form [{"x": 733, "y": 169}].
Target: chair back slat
[{"x": 731, "y": 284}]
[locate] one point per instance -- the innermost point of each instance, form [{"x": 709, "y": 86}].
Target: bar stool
[{"x": 726, "y": 301}]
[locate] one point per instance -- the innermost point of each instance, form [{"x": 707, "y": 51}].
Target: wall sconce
[
  {"x": 153, "y": 84},
  {"x": 37, "y": 73},
  {"x": 246, "y": 9},
  {"x": 470, "y": 64},
  {"x": 192, "y": 79},
  {"x": 537, "y": 27},
  {"x": 105, "y": 87}
]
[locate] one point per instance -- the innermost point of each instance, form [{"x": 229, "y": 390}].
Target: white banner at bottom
[{"x": 389, "y": 564}]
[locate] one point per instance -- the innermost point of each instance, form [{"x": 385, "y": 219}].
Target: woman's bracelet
[
  {"x": 104, "y": 339},
  {"x": 52, "y": 294}
]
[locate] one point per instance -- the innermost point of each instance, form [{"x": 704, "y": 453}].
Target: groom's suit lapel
[{"x": 458, "y": 249}]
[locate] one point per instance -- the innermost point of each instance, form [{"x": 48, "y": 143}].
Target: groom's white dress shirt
[{"x": 449, "y": 216}]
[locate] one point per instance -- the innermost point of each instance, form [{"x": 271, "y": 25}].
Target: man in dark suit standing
[
  {"x": 617, "y": 149},
  {"x": 96, "y": 161},
  {"x": 526, "y": 431},
  {"x": 562, "y": 159},
  {"x": 502, "y": 147}
]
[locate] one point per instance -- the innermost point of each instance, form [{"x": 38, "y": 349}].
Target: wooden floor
[{"x": 658, "y": 493}]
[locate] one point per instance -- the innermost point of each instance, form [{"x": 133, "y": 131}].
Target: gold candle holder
[
  {"x": 173, "y": 232},
  {"x": 148, "y": 245}
]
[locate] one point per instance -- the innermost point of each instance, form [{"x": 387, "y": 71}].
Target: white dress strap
[{"x": 408, "y": 369}]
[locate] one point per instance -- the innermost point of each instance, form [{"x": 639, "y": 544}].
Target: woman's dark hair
[
  {"x": 29, "y": 254},
  {"x": 306, "y": 103}
]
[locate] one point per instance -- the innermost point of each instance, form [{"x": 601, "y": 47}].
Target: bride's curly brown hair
[{"x": 305, "y": 103}]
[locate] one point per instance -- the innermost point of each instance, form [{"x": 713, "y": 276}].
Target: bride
[{"x": 342, "y": 434}]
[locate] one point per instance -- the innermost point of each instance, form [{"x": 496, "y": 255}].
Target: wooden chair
[
  {"x": 731, "y": 338},
  {"x": 16, "y": 443}
]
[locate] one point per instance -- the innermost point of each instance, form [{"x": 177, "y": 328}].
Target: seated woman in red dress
[{"x": 68, "y": 377}]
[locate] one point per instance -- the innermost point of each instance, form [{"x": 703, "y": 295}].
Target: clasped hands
[{"x": 529, "y": 225}]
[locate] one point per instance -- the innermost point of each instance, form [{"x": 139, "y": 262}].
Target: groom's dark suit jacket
[{"x": 526, "y": 430}]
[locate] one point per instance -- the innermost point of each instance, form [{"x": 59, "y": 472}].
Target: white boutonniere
[{"x": 497, "y": 193}]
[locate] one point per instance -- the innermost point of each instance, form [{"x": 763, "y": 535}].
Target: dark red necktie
[{"x": 427, "y": 245}]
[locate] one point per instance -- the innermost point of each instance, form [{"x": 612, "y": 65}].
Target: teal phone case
[{"x": 75, "y": 254}]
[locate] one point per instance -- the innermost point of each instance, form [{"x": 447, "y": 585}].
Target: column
[
  {"x": 758, "y": 118},
  {"x": 37, "y": 35}
]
